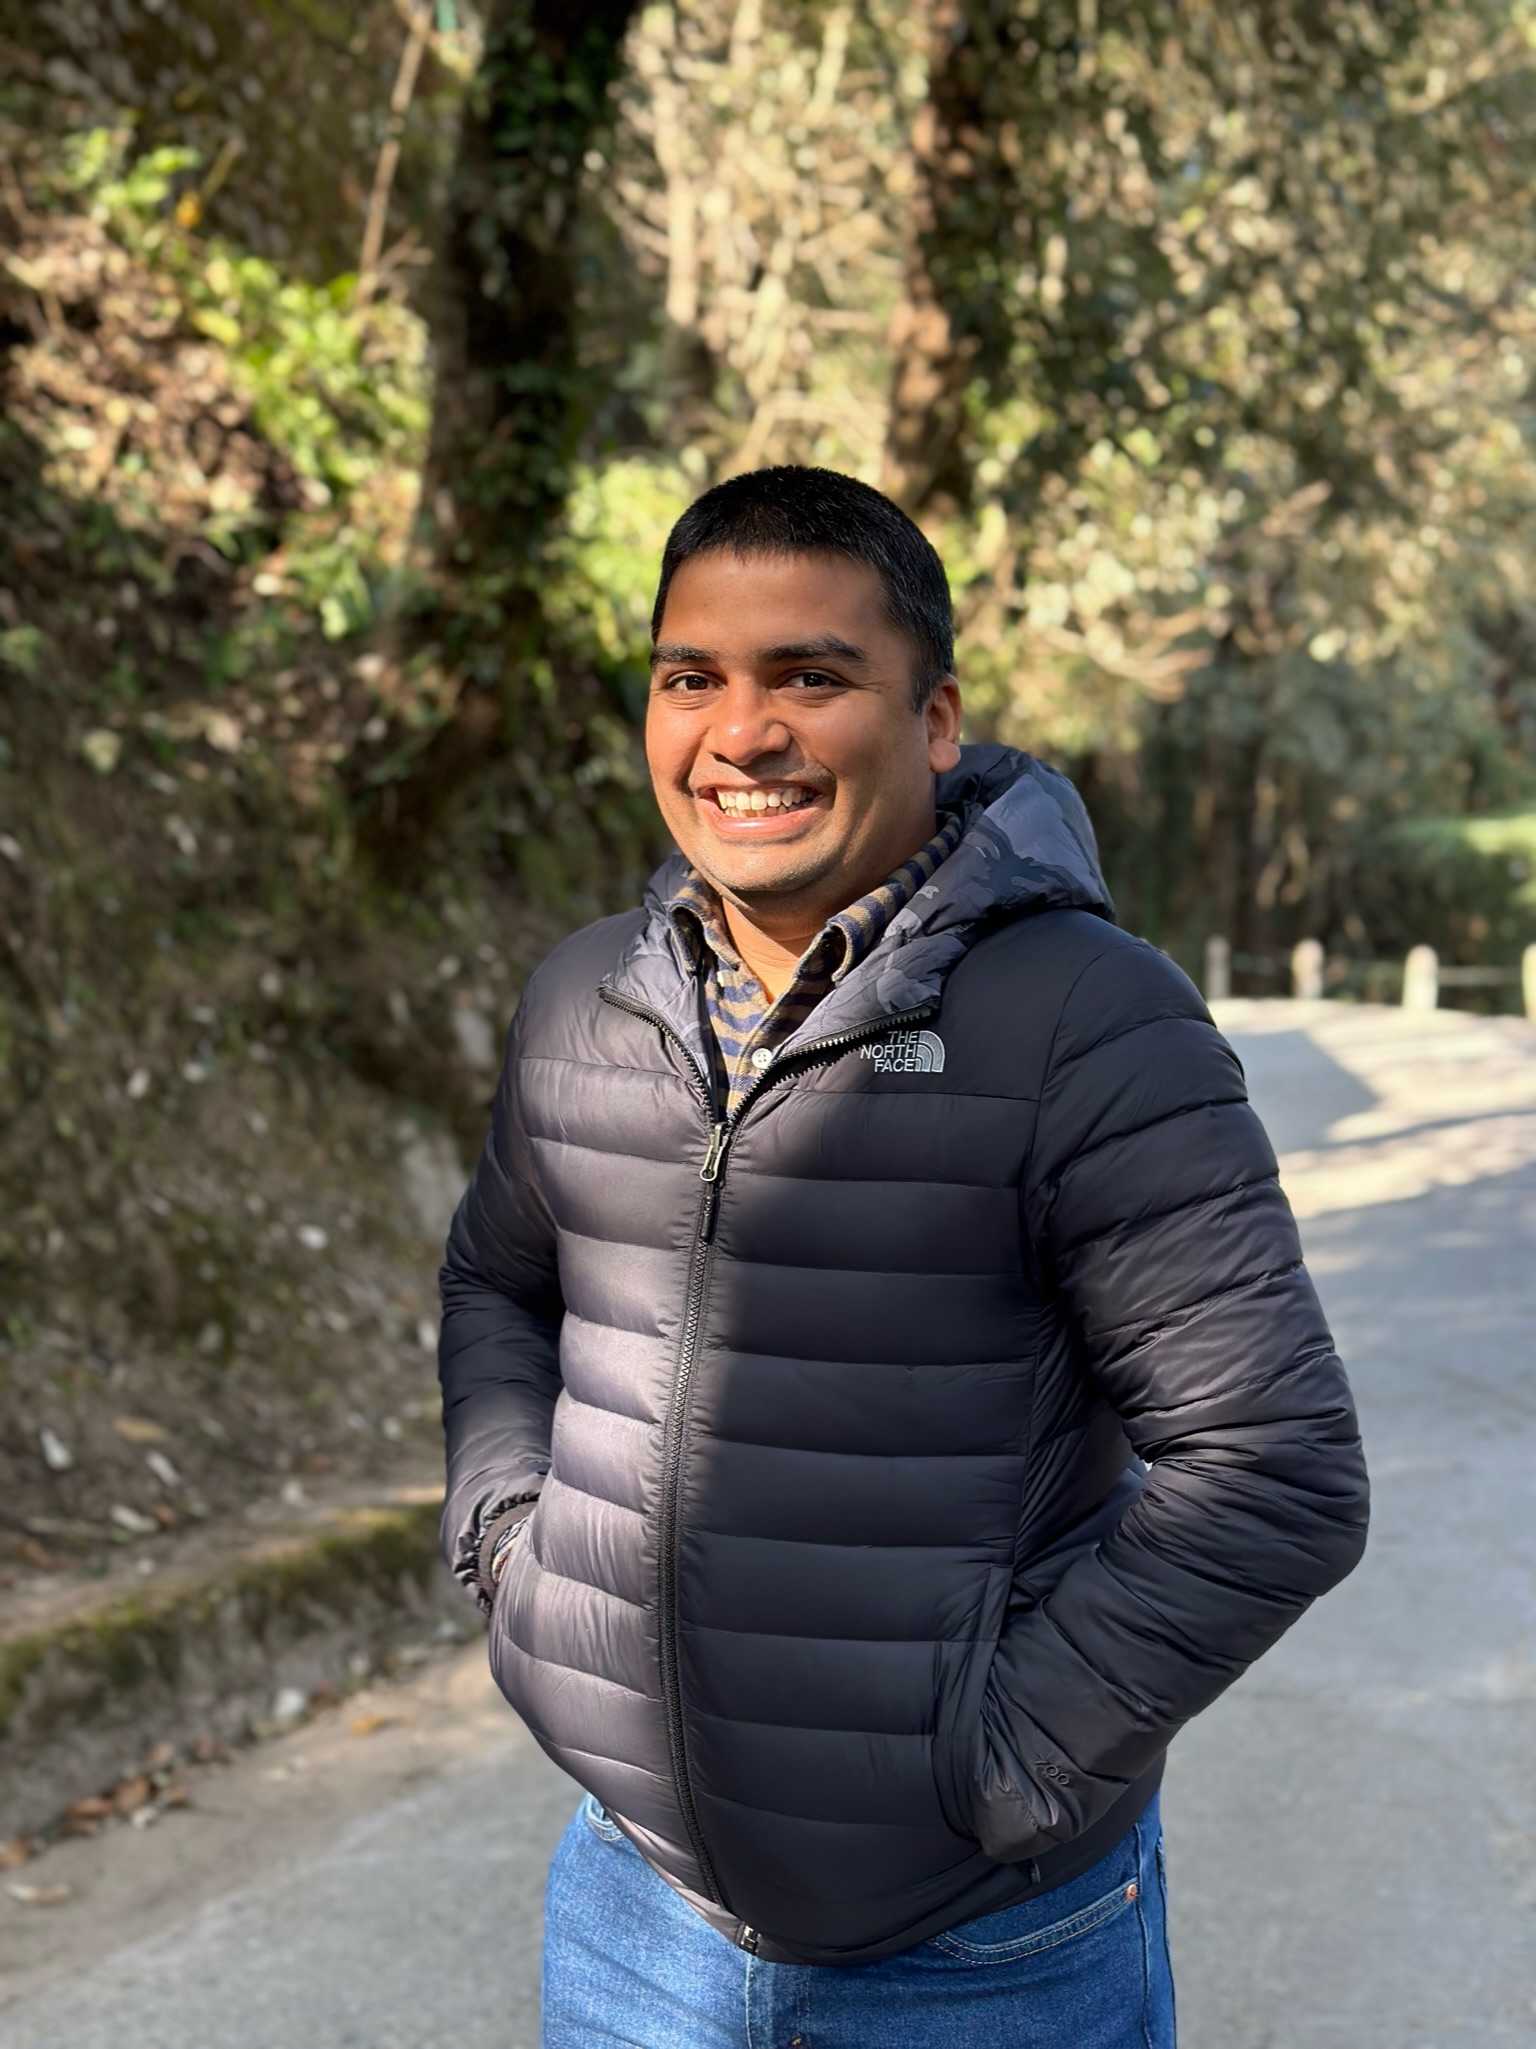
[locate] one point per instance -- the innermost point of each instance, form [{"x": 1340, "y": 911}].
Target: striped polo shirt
[{"x": 747, "y": 1028}]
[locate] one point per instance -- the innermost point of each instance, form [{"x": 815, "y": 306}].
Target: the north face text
[{"x": 906, "y": 1053}]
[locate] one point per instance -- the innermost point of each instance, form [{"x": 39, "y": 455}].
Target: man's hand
[{"x": 504, "y": 1543}]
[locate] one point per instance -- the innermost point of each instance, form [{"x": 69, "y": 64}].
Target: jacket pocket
[
  {"x": 962, "y": 1685},
  {"x": 503, "y": 1607}
]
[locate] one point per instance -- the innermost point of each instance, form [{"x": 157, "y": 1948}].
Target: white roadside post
[
  {"x": 1307, "y": 971},
  {"x": 1528, "y": 981},
  {"x": 1218, "y": 969},
  {"x": 1421, "y": 979}
]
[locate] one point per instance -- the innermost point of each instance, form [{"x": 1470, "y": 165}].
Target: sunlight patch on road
[
  {"x": 1455, "y": 1100},
  {"x": 1368, "y": 1172}
]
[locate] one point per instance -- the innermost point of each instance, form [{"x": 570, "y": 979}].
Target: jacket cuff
[{"x": 501, "y": 1519}]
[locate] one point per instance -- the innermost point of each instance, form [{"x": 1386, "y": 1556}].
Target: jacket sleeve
[
  {"x": 1155, "y": 1211},
  {"x": 498, "y": 1357}
]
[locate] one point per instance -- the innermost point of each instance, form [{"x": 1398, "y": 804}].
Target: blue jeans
[{"x": 1082, "y": 1967}]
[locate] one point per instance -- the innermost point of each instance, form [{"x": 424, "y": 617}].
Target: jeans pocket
[
  {"x": 956, "y": 1943},
  {"x": 598, "y": 1819}
]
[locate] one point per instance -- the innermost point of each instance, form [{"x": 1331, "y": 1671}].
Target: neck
[
  {"x": 772, "y": 939},
  {"x": 770, "y": 954}
]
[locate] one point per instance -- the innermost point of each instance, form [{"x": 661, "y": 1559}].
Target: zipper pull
[
  {"x": 709, "y": 1174},
  {"x": 710, "y": 1171}
]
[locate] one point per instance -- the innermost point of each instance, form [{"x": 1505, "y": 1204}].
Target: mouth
[{"x": 756, "y": 805}]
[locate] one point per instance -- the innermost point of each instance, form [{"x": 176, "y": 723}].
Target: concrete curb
[{"x": 82, "y": 1702}]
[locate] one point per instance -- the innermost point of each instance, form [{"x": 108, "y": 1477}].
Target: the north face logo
[{"x": 906, "y": 1053}]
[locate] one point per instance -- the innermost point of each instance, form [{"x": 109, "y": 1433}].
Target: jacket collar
[{"x": 1028, "y": 846}]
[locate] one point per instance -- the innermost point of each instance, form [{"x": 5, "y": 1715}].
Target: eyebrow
[
  {"x": 677, "y": 651},
  {"x": 824, "y": 644},
  {"x": 811, "y": 650}
]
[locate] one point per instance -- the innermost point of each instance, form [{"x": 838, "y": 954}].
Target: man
[{"x": 884, "y": 1398}]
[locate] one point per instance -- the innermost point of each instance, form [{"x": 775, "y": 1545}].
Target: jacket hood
[{"x": 1028, "y": 846}]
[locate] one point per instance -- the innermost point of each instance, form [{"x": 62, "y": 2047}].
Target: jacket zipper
[
  {"x": 722, "y": 1135},
  {"x": 672, "y": 1445},
  {"x": 712, "y": 1174}
]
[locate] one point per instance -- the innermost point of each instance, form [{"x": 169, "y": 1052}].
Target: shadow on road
[{"x": 1300, "y": 1091}]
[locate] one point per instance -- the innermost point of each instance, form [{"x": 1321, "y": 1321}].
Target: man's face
[{"x": 786, "y": 756}]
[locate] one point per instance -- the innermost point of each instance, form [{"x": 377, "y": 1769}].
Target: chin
[{"x": 760, "y": 878}]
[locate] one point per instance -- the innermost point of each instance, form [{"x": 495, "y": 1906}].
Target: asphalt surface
[{"x": 1352, "y": 1830}]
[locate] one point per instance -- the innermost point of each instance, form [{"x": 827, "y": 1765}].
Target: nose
[{"x": 748, "y": 725}]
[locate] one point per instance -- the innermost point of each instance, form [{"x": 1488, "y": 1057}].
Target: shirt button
[{"x": 762, "y": 1059}]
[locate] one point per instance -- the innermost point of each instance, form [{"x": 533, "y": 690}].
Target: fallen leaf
[
  {"x": 290, "y": 1704},
  {"x": 132, "y": 1793},
  {"x": 206, "y": 1750},
  {"x": 57, "y": 1456},
  {"x": 41, "y": 1895},
  {"x": 175, "y": 1796},
  {"x": 15, "y": 1852},
  {"x": 161, "y": 1758},
  {"x": 370, "y": 1724},
  {"x": 219, "y": 729},
  {"x": 34, "y": 1554},
  {"x": 162, "y": 1468},
  {"x": 80, "y": 1825},
  {"x": 94, "y": 1808},
  {"x": 129, "y": 1519},
  {"x": 139, "y": 1430},
  {"x": 103, "y": 749}
]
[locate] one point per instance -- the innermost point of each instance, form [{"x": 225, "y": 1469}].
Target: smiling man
[{"x": 884, "y": 1398}]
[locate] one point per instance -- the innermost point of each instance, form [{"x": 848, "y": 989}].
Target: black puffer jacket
[{"x": 847, "y": 1591}]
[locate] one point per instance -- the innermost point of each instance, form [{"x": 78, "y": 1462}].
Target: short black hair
[{"x": 794, "y": 510}]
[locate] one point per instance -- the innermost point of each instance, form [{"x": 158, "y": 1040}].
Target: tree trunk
[
  {"x": 510, "y": 399},
  {"x": 925, "y": 464}
]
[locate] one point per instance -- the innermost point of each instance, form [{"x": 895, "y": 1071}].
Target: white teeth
[{"x": 745, "y": 803}]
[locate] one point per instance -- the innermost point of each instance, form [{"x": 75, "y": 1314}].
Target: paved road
[{"x": 1352, "y": 1831}]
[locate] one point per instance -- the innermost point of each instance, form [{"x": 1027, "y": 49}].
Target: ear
[{"x": 942, "y": 716}]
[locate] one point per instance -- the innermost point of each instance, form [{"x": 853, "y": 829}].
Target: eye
[
  {"x": 688, "y": 683},
  {"x": 812, "y": 679}
]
